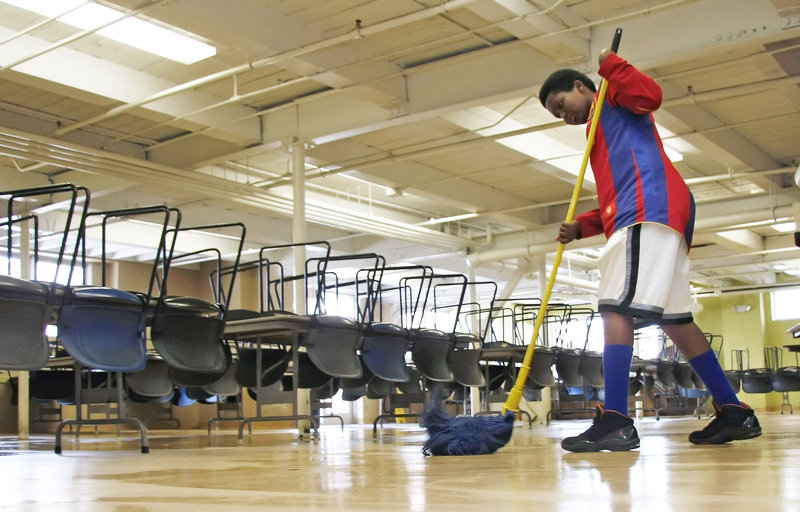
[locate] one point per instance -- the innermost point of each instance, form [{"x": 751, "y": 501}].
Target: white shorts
[{"x": 644, "y": 273}]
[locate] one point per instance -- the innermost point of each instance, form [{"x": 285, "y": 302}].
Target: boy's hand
[
  {"x": 605, "y": 53},
  {"x": 568, "y": 232}
]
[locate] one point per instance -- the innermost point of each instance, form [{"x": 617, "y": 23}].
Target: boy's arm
[
  {"x": 586, "y": 224},
  {"x": 591, "y": 223},
  {"x": 628, "y": 87}
]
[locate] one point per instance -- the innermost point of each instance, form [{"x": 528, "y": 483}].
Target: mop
[{"x": 480, "y": 435}]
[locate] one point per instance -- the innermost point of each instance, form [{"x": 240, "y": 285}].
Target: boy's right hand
[{"x": 568, "y": 232}]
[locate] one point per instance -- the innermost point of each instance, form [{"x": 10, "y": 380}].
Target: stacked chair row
[
  {"x": 356, "y": 351},
  {"x": 101, "y": 328},
  {"x": 775, "y": 376},
  {"x": 409, "y": 328}
]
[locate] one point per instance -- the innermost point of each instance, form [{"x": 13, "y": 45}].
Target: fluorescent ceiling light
[
  {"x": 548, "y": 149},
  {"x": 784, "y": 227},
  {"x": 673, "y": 155},
  {"x": 671, "y": 143},
  {"x": 131, "y": 31}
]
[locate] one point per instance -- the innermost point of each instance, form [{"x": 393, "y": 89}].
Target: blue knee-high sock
[
  {"x": 616, "y": 374},
  {"x": 707, "y": 368}
]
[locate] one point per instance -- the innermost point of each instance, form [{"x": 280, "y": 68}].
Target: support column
[
  {"x": 475, "y": 392},
  {"x": 299, "y": 235},
  {"x": 23, "y": 378}
]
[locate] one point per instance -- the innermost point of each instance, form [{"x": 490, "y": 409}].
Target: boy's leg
[
  {"x": 734, "y": 420},
  {"x": 617, "y": 358},
  {"x": 694, "y": 346},
  {"x": 612, "y": 429}
]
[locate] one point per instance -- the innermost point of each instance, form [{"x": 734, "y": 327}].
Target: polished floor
[{"x": 352, "y": 470}]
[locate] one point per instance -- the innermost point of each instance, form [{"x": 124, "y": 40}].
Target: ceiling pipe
[
  {"x": 17, "y": 144},
  {"x": 242, "y": 97},
  {"x": 704, "y": 224},
  {"x": 268, "y": 61},
  {"x": 738, "y": 175},
  {"x": 723, "y": 93},
  {"x": 744, "y": 289},
  {"x": 724, "y": 221},
  {"x": 363, "y": 31}
]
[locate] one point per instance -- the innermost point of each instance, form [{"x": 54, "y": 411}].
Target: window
[
  {"x": 45, "y": 271},
  {"x": 786, "y": 304}
]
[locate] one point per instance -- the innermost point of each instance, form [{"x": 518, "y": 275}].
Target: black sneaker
[
  {"x": 610, "y": 430},
  {"x": 731, "y": 423}
]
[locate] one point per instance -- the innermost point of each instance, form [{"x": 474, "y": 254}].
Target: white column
[
  {"x": 23, "y": 378},
  {"x": 474, "y": 392},
  {"x": 299, "y": 235}
]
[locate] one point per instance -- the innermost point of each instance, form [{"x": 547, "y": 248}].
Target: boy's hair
[{"x": 563, "y": 80}]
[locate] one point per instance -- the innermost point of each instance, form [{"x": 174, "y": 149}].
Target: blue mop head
[{"x": 478, "y": 435}]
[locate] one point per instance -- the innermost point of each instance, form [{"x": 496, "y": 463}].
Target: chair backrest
[{"x": 271, "y": 287}]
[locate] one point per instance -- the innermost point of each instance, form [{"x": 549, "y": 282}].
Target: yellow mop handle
[{"x": 514, "y": 397}]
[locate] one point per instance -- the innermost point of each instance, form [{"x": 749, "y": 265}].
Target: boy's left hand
[{"x": 603, "y": 54}]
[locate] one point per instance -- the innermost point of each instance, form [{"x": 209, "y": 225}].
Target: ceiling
[{"x": 416, "y": 125}]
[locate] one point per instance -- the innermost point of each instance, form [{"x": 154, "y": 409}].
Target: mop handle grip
[
  {"x": 515, "y": 395},
  {"x": 615, "y": 42}
]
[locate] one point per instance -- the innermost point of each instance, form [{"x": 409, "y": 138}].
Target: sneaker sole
[{"x": 611, "y": 445}]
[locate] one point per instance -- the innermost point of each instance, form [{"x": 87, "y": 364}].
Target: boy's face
[{"x": 572, "y": 106}]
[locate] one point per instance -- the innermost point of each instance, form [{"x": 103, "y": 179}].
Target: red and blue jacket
[{"x": 636, "y": 181}]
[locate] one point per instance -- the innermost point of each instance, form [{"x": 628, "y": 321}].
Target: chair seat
[
  {"x": 665, "y": 372},
  {"x": 414, "y": 383},
  {"x": 194, "y": 379},
  {"x": 734, "y": 379},
  {"x": 429, "y": 353},
  {"x": 379, "y": 388},
  {"x": 187, "y": 332},
  {"x": 332, "y": 344},
  {"x": 104, "y": 328},
  {"x": 592, "y": 369},
  {"x": 24, "y": 313},
  {"x": 383, "y": 352},
  {"x": 786, "y": 378},
  {"x": 225, "y": 385},
  {"x": 464, "y": 363},
  {"x": 683, "y": 375},
  {"x": 568, "y": 366},
  {"x": 463, "y": 360},
  {"x": 758, "y": 380},
  {"x": 153, "y": 381},
  {"x": 309, "y": 376},
  {"x": 541, "y": 373},
  {"x": 274, "y": 363}
]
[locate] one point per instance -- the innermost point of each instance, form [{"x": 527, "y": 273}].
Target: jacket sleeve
[
  {"x": 590, "y": 223},
  {"x": 628, "y": 87}
]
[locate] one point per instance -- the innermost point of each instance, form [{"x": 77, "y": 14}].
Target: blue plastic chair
[{"x": 104, "y": 328}]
